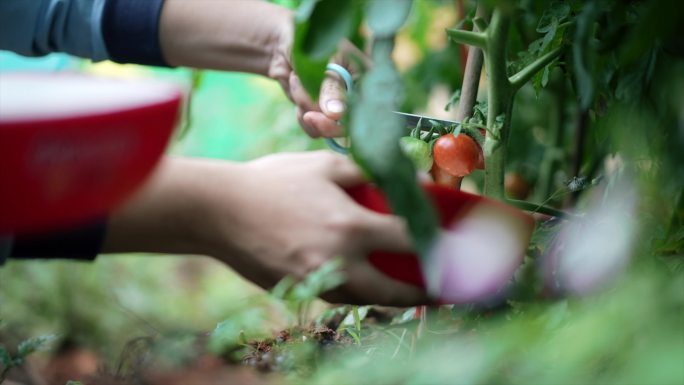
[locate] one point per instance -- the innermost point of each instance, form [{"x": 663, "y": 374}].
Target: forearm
[
  {"x": 234, "y": 35},
  {"x": 167, "y": 214}
]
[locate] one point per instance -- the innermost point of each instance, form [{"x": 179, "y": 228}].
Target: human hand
[
  {"x": 281, "y": 215},
  {"x": 290, "y": 215},
  {"x": 223, "y": 35},
  {"x": 317, "y": 119}
]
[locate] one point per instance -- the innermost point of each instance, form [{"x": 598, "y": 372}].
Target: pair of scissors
[{"x": 410, "y": 120}]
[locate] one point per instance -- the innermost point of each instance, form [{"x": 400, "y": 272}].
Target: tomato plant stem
[
  {"x": 476, "y": 39},
  {"x": 500, "y": 95},
  {"x": 553, "y": 152},
  {"x": 578, "y": 151},
  {"x": 471, "y": 77},
  {"x": 536, "y": 208},
  {"x": 518, "y": 80},
  {"x": 479, "y": 21}
]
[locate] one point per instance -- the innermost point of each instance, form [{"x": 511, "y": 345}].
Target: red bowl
[
  {"x": 73, "y": 146},
  {"x": 452, "y": 206}
]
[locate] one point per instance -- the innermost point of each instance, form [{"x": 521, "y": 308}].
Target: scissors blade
[{"x": 424, "y": 122}]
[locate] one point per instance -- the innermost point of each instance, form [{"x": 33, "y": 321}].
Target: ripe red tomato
[
  {"x": 443, "y": 178},
  {"x": 516, "y": 186},
  {"x": 458, "y": 155}
]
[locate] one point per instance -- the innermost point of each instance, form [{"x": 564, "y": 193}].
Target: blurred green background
[
  {"x": 233, "y": 116},
  {"x": 631, "y": 331}
]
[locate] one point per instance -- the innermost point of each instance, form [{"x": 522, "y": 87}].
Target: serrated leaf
[
  {"x": 535, "y": 47},
  {"x": 480, "y": 111},
  {"x": 455, "y": 99},
  {"x": 34, "y": 344},
  {"x": 545, "y": 76},
  {"x": 555, "y": 14},
  {"x": 541, "y": 79},
  {"x": 526, "y": 57},
  {"x": 550, "y": 35},
  {"x": 5, "y": 358}
]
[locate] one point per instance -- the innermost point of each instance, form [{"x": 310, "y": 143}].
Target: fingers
[
  {"x": 319, "y": 121},
  {"x": 341, "y": 170},
  {"x": 380, "y": 231},
  {"x": 352, "y": 57},
  {"x": 332, "y": 104},
  {"x": 385, "y": 232},
  {"x": 322, "y": 125},
  {"x": 299, "y": 95},
  {"x": 307, "y": 125},
  {"x": 304, "y": 104},
  {"x": 332, "y": 99}
]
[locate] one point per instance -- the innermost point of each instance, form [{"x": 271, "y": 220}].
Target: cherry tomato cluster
[{"x": 454, "y": 150}]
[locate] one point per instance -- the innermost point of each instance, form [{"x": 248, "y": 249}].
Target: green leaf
[
  {"x": 355, "y": 316},
  {"x": 283, "y": 287},
  {"x": 386, "y": 17},
  {"x": 455, "y": 99},
  {"x": 375, "y": 133},
  {"x": 228, "y": 333},
  {"x": 319, "y": 27},
  {"x": 305, "y": 10},
  {"x": 5, "y": 358},
  {"x": 34, "y": 344},
  {"x": 550, "y": 35},
  {"x": 545, "y": 76},
  {"x": 330, "y": 21},
  {"x": 355, "y": 336},
  {"x": 327, "y": 277},
  {"x": 582, "y": 62},
  {"x": 553, "y": 15}
]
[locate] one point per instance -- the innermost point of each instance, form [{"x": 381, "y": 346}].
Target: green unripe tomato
[{"x": 418, "y": 151}]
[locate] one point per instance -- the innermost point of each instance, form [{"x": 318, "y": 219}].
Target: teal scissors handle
[{"x": 346, "y": 76}]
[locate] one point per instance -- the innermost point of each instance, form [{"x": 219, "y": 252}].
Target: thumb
[{"x": 333, "y": 99}]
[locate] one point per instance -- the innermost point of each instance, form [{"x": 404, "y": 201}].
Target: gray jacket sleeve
[{"x": 38, "y": 27}]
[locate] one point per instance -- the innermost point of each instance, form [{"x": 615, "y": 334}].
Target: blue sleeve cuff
[
  {"x": 131, "y": 31},
  {"x": 79, "y": 243}
]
